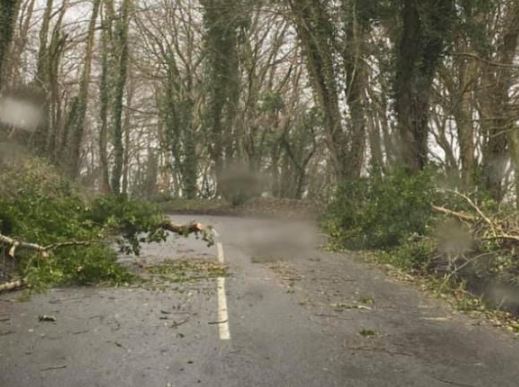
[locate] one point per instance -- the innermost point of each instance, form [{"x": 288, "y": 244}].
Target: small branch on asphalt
[
  {"x": 454, "y": 383},
  {"x": 217, "y": 322},
  {"x": 58, "y": 367},
  {"x": 177, "y": 324},
  {"x": 382, "y": 350}
]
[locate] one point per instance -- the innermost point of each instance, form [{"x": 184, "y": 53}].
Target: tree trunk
[
  {"x": 120, "y": 85},
  {"x": 314, "y": 29},
  {"x": 356, "y": 83},
  {"x": 105, "y": 96},
  {"x": 497, "y": 121},
  {"x": 422, "y": 41},
  {"x": 8, "y": 15},
  {"x": 73, "y": 135}
]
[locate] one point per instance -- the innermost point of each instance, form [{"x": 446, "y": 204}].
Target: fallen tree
[
  {"x": 184, "y": 230},
  {"x": 12, "y": 245},
  {"x": 500, "y": 227}
]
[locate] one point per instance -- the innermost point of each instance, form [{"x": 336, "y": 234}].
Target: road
[{"x": 288, "y": 314}]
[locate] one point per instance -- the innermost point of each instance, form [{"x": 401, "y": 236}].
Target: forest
[
  {"x": 149, "y": 97},
  {"x": 398, "y": 119}
]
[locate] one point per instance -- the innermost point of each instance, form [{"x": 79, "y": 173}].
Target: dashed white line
[{"x": 223, "y": 316}]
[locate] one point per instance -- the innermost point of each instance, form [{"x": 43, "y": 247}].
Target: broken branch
[
  {"x": 43, "y": 250},
  {"x": 14, "y": 285},
  {"x": 193, "y": 228},
  {"x": 459, "y": 215}
]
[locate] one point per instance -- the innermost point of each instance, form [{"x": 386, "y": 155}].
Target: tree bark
[
  {"x": 74, "y": 127},
  {"x": 120, "y": 85},
  {"x": 422, "y": 41},
  {"x": 8, "y": 14}
]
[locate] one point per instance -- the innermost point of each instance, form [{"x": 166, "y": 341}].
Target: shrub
[
  {"x": 380, "y": 212},
  {"x": 414, "y": 254}
]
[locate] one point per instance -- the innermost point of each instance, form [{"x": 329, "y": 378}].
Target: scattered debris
[
  {"x": 176, "y": 324},
  {"x": 340, "y": 307},
  {"x": 217, "y": 322},
  {"x": 58, "y": 367},
  {"x": 367, "y": 300},
  {"x": 383, "y": 350},
  {"x": 454, "y": 383},
  {"x": 186, "y": 270},
  {"x": 265, "y": 259},
  {"x": 367, "y": 333},
  {"x": 80, "y": 332},
  {"x": 434, "y": 318},
  {"x": 44, "y": 317}
]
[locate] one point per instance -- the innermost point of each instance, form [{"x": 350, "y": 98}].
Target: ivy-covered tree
[
  {"x": 8, "y": 14},
  {"x": 424, "y": 37}
]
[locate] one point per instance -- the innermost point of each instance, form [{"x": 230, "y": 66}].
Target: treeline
[{"x": 162, "y": 96}]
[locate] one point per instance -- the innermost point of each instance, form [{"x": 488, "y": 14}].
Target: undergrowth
[{"x": 453, "y": 240}]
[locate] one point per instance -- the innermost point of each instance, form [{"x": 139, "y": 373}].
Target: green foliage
[
  {"x": 414, "y": 254},
  {"x": 187, "y": 270},
  {"x": 39, "y": 206},
  {"x": 380, "y": 212},
  {"x": 135, "y": 221},
  {"x": 272, "y": 102}
]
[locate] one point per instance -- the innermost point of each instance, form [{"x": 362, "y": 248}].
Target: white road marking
[{"x": 223, "y": 316}]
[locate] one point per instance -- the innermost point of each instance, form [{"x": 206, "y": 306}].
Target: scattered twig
[
  {"x": 80, "y": 332},
  {"x": 383, "y": 350},
  {"x": 45, "y": 318},
  {"x": 58, "y": 367},
  {"x": 453, "y": 383},
  {"x": 217, "y": 322},
  {"x": 179, "y": 323}
]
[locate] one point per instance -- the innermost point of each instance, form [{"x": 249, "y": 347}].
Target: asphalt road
[{"x": 287, "y": 315}]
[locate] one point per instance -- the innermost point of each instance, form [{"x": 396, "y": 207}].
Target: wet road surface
[{"x": 288, "y": 314}]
